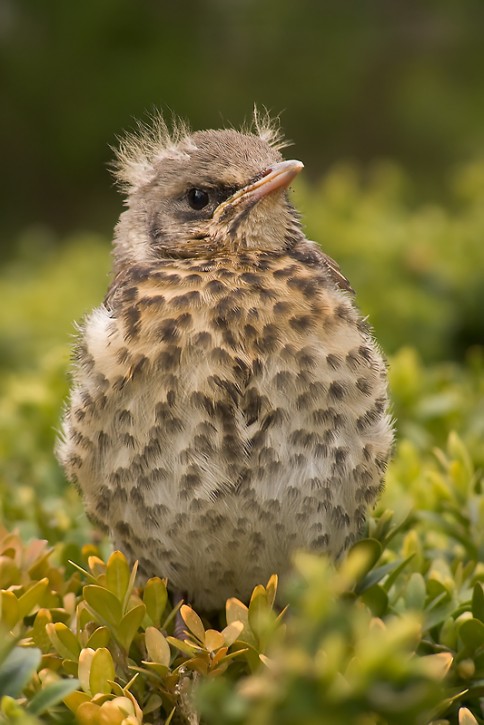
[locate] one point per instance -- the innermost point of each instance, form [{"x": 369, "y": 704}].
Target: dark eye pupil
[{"x": 197, "y": 198}]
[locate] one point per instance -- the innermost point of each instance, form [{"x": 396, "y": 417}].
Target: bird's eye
[{"x": 197, "y": 198}]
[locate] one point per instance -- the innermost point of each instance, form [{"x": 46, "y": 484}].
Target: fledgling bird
[{"x": 229, "y": 403}]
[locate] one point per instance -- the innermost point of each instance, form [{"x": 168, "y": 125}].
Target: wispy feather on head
[
  {"x": 268, "y": 128},
  {"x": 140, "y": 151}
]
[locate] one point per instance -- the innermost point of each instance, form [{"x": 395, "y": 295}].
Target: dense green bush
[{"x": 393, "y": 634}]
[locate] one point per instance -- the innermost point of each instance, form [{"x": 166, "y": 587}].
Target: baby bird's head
[{"x": 197, "y": 194}]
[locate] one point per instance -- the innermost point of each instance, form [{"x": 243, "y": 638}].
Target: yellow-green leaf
[
  {"x": 258, "y": 593},
  {"x": 213, "y": 640},
  {"x": 271, "y": 589},
  {"x": 99, "y": 638},
  {"x": 96, "y": 565},
  {"x": 471, "y": 632},
  {"x": 155, "y": 598},
  {"x": 466, "y": 717},
  {"x": 74, "y": 699},
  {"x": 258, "y": 611},
  {"x": 9, "y": 609},
  {"x": 84, "y": 668},
  {"x": 40, "y": 557},
  {"x": 193, "y": 622},
  {"x": 236, "y": 611},
  {"x": 32, "y": 597},
  {"x": 117, "y": 575},
  {"x": 183, "y": 646},
  {"x": 160, "y": 670},
  {"x": 157, "y": 647},
  {"x": 70, "y": 667},
  {"x": 87, "y": 713},
  {"x": 478, "y": 601},
  {"x": 39, "y": 634},
  {"x": 9, "y": 572},
  {"x": 220, "y": 655},
  {"x": 105, "y": 603},
  {"x": 170, "y": 717},
  {"x": 153, "y": 703},
  {"x": 232, "y": 632},
  {"x": 63, "y": 640},
  {"x": 131, "y": 583},
  {"x": 102, "y": 670},
  {"x": 436, "y": 666},
  {"x": 129, "y": 625}
]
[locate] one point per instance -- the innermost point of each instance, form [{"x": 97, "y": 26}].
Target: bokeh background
[
  {"x": 353, "y": 80},
  {"x": 384, "y": 103}
]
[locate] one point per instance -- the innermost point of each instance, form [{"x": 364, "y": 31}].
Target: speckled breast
[{"x": 224, "y": 413}]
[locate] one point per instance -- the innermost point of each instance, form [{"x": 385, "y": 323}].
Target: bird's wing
[
  {"x": 116, "y": 288},
  {"x": 335, "y": 273},
  {"x": 310, "y": 253}
]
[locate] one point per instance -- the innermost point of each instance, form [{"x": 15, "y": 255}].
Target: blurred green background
[
  {"x": 353, "y": 80},
  {"x": 384, "y": 102}
]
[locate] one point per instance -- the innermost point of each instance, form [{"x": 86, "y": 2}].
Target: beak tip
[
  {"x": 293, "y": 165},
  {"x": 277, "y": 176}
]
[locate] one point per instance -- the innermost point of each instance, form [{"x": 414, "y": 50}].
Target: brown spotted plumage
[{"x": 229, "y": 403}]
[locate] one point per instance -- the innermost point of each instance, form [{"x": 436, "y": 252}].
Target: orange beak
[{"x": 277, "y": 176}]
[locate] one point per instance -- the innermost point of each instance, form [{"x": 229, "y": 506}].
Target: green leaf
[
  {"x": 260, "y": 614},
  {"x": 232, "y": 632},
  {"x": 478, "y": 601},
  {"x": 236, "y": 611},
  {"x": 376, "y": 599},
  {"x": 101, "y": 672},
  {"x": 370, "y": 551},
  {"x": 99, "y": 638},
  {"x": 32, "y": 597},
  {"x": 51, "y": 695},
  {"x": 17, "y": 670},
  {"x": 184, "y": 646},
  {"x": 9, "y": 572},
  {"x": 155, "y": 598},
  {"x": 76, "y": 698},
  {"x": 466, "y": 717},
  {"x": 64, "y": 641},
  {"x": 436, "y": 615},
  {"x": 415, "y": 592},
  {"x": 271, "y": 589},
  {"x": 157, "y": 647},
  {"x": 9, "y": 609},
  {"x": 39, "y": 633},
  {"x": 129, "y": 626},
  {"x": 117, "y": 575},
  {"x": 84, "y": 668},
  {"x": 170, "y": 717},
  {"x": 103, "y": 602},
  {"x": 392, "y": 571},
  {"x": 214, "y": 640},
  {"x": 472, "y": 633},
  {"x": 131, "y": 583},
  {"x": 193, "y": 622}
]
